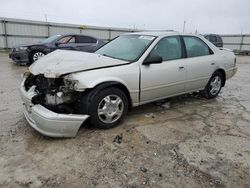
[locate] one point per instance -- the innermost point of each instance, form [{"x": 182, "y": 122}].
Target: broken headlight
[
  {"x": 70, "y": 84},
  {"x": 25, "y": 74}
]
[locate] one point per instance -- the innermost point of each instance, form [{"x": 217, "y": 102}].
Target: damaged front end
[
  {"x": 52, "y": 105},
  {"x": 55, "y": 94}
]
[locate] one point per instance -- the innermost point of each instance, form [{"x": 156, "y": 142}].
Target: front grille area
[
  {"x": 43, "y": 85},
  {"x": 47, "y": 89}
]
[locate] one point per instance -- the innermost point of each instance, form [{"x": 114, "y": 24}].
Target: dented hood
[{"x": 62, "y": 62}]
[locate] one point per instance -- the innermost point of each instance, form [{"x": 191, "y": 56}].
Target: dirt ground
[{"x": 186, "y": 141}]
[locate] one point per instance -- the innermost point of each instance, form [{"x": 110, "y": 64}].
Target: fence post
[
  {"x": 109, "y": 34},
  {"x": 5, "y": 34},
  {"x": 241, "y": 42},
  {"x": 48, "y": 30}
]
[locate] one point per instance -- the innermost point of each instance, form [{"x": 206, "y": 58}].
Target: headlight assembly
[
  {"x": 25, "y": 74},
  {"x": 71, "y": 84},
  {"x": 21, "y": 48}
]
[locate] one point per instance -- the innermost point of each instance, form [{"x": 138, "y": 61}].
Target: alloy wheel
[
  {"x": 215, "y": 85},
  {"x": 37, "y": 56},
  {"x": 110, "y": 109}
]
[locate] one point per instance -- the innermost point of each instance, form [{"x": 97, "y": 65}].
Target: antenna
[{"x": 184, "y": 24}]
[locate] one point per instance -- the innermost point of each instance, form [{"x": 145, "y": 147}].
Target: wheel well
[
  {"x": 223, "y": 75},
  {"x": 118, "y": 85}
]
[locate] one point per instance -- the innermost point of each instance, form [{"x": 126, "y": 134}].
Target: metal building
[{"x": 16, "y": 31}]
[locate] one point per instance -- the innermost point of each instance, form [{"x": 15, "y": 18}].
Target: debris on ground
[
  {"x": 150, "y": 115},
  {"x": 118, "y": 139},
  {"x": 143, "y": 169},
  {"x": 166, "y": 105}
]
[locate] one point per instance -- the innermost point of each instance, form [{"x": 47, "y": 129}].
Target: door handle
[
  {"x": 181, "y": 68},
  {"x": 213, "y": 63}
]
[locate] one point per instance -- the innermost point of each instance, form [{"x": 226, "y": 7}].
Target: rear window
[{"x": 213, "y": 39}]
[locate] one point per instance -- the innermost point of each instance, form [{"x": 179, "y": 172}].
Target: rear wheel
[
  {"x": 214, "y": 86},
  {"x": 106, "y": 107}
]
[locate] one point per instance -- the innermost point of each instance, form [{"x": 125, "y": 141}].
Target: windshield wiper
[{"x": 106, "y": 55}]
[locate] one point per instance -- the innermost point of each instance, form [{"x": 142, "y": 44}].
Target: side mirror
[
  {"x": 155, "y": 59},
  {"x": 57, "y": 43}
]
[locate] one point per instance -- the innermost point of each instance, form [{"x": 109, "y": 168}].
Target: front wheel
[
  {"x": 214, "y": 86},
  {"x": 106, "y": 107},
  {"x": 35, "y": 56}
]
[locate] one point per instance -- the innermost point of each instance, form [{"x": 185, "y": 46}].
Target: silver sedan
[{"x": 65, "y": 88}]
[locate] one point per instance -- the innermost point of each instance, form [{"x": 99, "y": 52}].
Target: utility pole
[{"x": 184, "y": 24}]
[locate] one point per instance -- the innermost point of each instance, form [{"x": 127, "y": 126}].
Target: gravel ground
[{"x": 185, "y": 141}]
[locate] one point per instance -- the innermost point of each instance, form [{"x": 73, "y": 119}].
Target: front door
[
  {"x": 66, "y": 43},
  {"x": 168, "y": 78}
]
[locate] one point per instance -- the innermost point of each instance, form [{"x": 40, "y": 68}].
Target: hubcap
[
  {"x": 215, "y": 85},
  {"x": 37, "y": 55},
  {"x": 110, "y": 109}
]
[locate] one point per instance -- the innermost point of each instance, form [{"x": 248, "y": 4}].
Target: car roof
[
  {"x": 159, "y": 33},
  {"x": 76, "y": 34}
]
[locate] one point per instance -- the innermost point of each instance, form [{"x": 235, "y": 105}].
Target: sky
[{"x": 205, "y": 16}]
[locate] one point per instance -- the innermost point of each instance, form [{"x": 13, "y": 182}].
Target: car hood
[
  {"x": 30, "y": 45},
  {"x": 62, "y": 62}
]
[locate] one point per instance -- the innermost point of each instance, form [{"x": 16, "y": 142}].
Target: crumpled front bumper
[{"x": 48, "y": 122}]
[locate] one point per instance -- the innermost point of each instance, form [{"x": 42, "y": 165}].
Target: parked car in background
[
  {"x": 27, "y": 54},
  {"x": 215, "y": 39},
  {"x": 65, "y": 88}
]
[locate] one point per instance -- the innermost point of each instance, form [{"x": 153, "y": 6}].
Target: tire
[
  {"x": 100, "y": 106},
  {"x": 35, "y": 55},
  {"x": 213, "y": 86}
]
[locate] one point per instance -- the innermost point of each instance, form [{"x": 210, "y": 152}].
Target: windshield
[
  {"x": 50, "y": 39},
  {"x": 126, "y": 47}
]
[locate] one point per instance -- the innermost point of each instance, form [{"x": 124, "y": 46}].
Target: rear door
[
  {"x": 167, "y": 78},
  {"x": 86, "y": 43},
  {"x": 201, "y": 63}
]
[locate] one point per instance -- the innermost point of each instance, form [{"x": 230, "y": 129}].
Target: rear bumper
[
  {"x": 231, "y": 72},
  {"x": 48, "y": 122}
]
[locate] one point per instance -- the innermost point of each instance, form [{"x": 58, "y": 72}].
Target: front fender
[
  {"x": 129, "y": 78},
  {"x": 87, "y": 83}
]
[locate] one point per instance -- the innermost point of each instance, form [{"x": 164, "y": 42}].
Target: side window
[
  {"x": 72, "y": 40},
  {"x": 196, "y": 47},
  {"x": 220, "y": 39},
  {"x": 85, "y": 39},
  {"x": 168, "y": 48},
  {"x": 67, "y": 39}
]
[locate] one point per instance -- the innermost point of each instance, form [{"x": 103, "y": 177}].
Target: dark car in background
[
  {"x": 27, "y": 54},
  {"x": 215, "y": 39}
]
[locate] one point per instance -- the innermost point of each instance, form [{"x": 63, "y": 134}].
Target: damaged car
[{"x": 65, "y": 88}]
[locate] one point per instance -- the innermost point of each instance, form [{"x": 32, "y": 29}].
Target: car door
[
  {"x": 167, "y": 78},
  {"x": 66, "y": 43},
  {"x": 201, "y": 62},
  {"x": 86, "y": 43}
]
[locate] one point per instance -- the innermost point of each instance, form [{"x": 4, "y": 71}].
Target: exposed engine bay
[{"x": 56, "y": 94}]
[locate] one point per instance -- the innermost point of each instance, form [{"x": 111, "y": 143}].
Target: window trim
[{"x": 211, "y": 52}]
